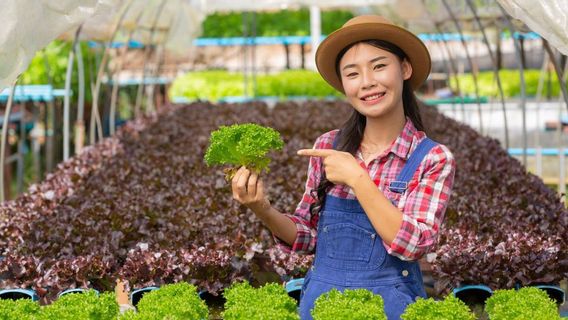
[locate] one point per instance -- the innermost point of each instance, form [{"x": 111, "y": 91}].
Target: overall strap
[
  {"x": 336, "y": 140},
  {"x": 401, "y": 182}
]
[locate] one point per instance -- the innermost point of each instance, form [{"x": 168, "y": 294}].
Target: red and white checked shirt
[{"x": 423, "y": 205}]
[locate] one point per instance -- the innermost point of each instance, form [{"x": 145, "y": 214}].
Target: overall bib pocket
[{"x": 351, "y": 247}]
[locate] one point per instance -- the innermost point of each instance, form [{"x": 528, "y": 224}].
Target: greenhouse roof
[{"x": 30, "y": 25}]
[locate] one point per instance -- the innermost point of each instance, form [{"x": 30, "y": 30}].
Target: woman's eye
[
  {"x": 379, "y": 66},
  {"x": 352, "y": 74}
]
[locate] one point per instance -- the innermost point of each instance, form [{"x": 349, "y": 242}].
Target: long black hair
[{"x": 351, "y": 133}]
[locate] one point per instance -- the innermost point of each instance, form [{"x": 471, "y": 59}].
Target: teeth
[{"x": 373, "y": 97}]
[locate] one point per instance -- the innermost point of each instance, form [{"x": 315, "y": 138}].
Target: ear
[{"x": 406, "y": 69}]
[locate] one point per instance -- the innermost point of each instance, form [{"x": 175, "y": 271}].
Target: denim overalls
[{"x": 350, "y": 253}]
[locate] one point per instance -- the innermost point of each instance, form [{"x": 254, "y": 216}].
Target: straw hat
[{"x": 367, "y": 27}]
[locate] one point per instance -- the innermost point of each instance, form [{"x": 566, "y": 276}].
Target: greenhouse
[{"x": 283, "y": 159}]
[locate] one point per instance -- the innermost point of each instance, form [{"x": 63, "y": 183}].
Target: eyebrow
[{"x": 371, "y": 61}]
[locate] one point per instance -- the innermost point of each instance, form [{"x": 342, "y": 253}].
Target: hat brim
[{"x": 412, "y": 46}]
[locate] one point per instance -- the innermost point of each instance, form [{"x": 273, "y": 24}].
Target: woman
[{"x": 378, "y": 188}]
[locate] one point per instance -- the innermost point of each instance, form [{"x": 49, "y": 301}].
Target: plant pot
[
  {"x": 15, "y": 294},
  {"x": 554, "y": 292},
  {"x": 294, "y": 288},
  {"x": 137, "y": 294},
  {"x": 75, "y": 290}
]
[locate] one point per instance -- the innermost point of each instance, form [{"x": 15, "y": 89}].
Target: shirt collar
[{"x": 402, "y": 144}]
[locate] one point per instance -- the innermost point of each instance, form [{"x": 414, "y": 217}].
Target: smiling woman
[{"x": 378, "y": 187}]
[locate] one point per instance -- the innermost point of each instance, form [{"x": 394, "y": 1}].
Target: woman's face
[{"x": 373, "y": 79}]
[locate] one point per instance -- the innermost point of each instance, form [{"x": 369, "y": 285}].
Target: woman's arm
[
  {"x": 411, "y": 232},
  {"x": 248, "y": 189}
]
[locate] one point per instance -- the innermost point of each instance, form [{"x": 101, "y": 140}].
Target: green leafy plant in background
[
  {"x": 510, "y": 80},
  {"x": 268, "y": 302},
  {"x": 242, "y": 145},
  {"x": 87, "y": 305},
  {"x": 177, "y": 301},
  {"x": 278, "y": 23},
  {"x": 526, "y": 303},
  {"x": 358, "y": 304},
  {"x": 451, "y": 308},
  {"x": 215, "y": 85},
  {"x": 57, "y": 53},
  {"x": 22, "y": 309}
]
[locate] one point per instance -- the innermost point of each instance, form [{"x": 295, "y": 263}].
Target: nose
[{"x": 369, "y": 80}]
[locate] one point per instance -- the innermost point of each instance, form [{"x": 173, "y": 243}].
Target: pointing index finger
[{"x": 316, "y": 152}]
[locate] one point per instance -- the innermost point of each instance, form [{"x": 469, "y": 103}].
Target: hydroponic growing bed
[{"x": 144, "y": 207}]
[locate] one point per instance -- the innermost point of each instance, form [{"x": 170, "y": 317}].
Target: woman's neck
[{"x": 381, "y": 132}]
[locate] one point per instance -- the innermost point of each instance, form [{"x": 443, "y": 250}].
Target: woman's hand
[
  {"x": 248, "y": 190},
  {"x": 340, "y": 167}
]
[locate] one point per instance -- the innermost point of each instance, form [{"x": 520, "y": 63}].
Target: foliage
[
  {"x": 216, "y": 85},
  {"x": 278, "y": 23},
  {"x": 173, "y": 301},
  {"x": 268, "y": 302},
  {"x": 451, "y": 308},
  {"x": 22, "y": 309},
  {"x": 358, "y": 304},
  {"x": 57, "y": 54},
  {"x": 526, "y": 303},
  {"x": 511, "y": 82},
  {"x": 144, "y": 206},
  {"x": 242, "y": 145},
  {"x": 503, "y": 225},
  {"x": 87, "y": 305}
]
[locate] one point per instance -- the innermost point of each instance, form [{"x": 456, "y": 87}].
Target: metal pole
[
  {"x": 115, "y": 87},
  {"x": 67, "y": 98},
  {"x": 495, "y": 69},
  {"x": 519, "y": 56},
  {"x": 315, "y": 29},
  {"x": 558, "y": 71},
  {"x": 95, "y": 108},
  {"x": 4, "y": 135},
  {"x": 80, "y": 122},
  {"x": 147, "y": 51},
  {"x": 245, "y": 53},
  {"x": 253, "y": 54},
  {"x": 470, "y": 61}
]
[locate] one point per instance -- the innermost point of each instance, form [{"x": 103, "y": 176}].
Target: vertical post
[
  {"x": 20, "y": 163},
  {"x": 287, "y": 50},
  {"x": 315, "y": 29},
  {"x": 562, "y": 180},
  {"x": 538, "y": 160},
  {"x": 80, "y": 122},
  {"x": 5, "y": 126},
  {"x": 245, "y": 53},
  {"x": 253, "y": 52}
]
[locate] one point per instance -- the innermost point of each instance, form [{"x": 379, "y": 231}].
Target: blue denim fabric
[{"x": 350, "y": 253}]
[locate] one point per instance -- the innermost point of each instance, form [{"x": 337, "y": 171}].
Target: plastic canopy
[
  {"x": 549, "y": 18},
  {"x": 29, "y": 25}
]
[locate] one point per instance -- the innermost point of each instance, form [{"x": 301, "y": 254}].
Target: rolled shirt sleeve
[
  {"x": 425, "y": 206},
  {"x": 306, "y": 224}
]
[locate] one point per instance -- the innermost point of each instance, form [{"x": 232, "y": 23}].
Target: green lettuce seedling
[
  {"x": 358, "y": 304},
  {"x": 87, "y": 305},
  {"x": 242, "y": 145},
  {"x": 526, "y": 303},
  {"x": 451, "y": 308},
  {"x": 22, "y": 309},
  {"x": 171, "y": 301},
  {"x": 270, "y": 301}
]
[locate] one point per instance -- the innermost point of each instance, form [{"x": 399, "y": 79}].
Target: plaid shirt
[{"x": 423, "y": 205}]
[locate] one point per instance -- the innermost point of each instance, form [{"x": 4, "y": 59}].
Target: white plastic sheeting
[
  {"x": 172, "y": 23},
  {"x": 549, "y": 18},
  {"x": 29, "y": 25},
  {"x": 210, "y": 6}
]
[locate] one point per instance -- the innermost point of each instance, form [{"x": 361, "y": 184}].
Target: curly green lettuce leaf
[{"x": 242, "y": 145}]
